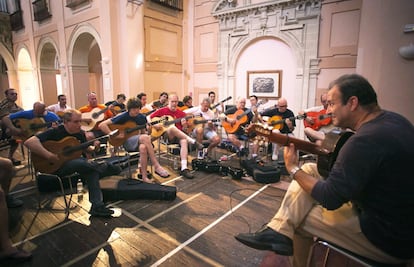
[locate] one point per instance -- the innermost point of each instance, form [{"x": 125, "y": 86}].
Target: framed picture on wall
[{"x": 264, "y": 83}]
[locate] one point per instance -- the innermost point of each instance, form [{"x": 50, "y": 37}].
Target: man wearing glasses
[
  {"x": 7, "y": 106},
  {"x": 288, "y": 125}
]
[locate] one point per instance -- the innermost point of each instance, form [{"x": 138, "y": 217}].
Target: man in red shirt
[{"x": 174, "y": 133}]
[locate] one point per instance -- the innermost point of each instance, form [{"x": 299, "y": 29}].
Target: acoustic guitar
[
  {"x": 127, "y": 130},
  {"x": 320, "y": 119},
  {"x": 240, "y": 118},
  {"x": 198, "y": 121},
  {"x": 67, "y": 149},
  {"x": 90, "y": 119},
  {"x": 30, "y": 127},
  {"x": 167, "y": 122},
  {"x": 277, "y": 121},
  {"x": 327, "y": 152}
]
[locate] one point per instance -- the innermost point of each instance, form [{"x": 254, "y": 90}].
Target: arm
[
  {"x": 104, "y": 126},
  {"x": 34, "y": 144},
  {"x": 306, "y": 181}
]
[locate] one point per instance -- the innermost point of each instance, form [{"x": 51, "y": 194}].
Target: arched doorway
[
  {"x": 86, "y": 68},
  {"x": 29, "y": 93},
  {"x": 49, "y": 73}
]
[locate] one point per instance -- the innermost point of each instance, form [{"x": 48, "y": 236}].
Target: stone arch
[
  {"x": 48, "y": 62},
  {"x": 84, "y": 63},
  {"x": 9, "y": 80},
  {"x": 29, "y": 92}
]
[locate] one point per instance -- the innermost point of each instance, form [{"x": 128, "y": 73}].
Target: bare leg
[
  {"x": 7, "y": 172},
  {"x": 234, "y": 140},
  {"x": 146, "y": 141},
  {"x": 143, "y": 158}
]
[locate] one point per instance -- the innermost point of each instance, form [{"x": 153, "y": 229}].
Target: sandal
[
  {"x": 163, "y": 173},
  {"x": 16, "y": 257}
]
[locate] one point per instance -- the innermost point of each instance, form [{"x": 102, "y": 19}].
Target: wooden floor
[{"x": 195, "y": 229}]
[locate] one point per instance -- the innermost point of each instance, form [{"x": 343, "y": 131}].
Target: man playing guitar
[
  {"x": 175, "y": 133},
  {"x": 315, "y": 127},
  {"x": 30, "y": 121},
  {"x": 135, "y": 142},
  {"x": 285, "y": 114},
  {"x": 207, "y": 129},
  {"x": 90, "y": 124},
  {"x": 59, "y": 107},
  {"x": 231, "y": 119},
  {"x": 71, "y": 130}
]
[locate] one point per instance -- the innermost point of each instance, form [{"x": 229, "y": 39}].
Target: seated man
[
  {"x": 59, "y": 107},
  {"x": 161, "y": 102},
  {"x": 8, "y": 254},
  {"x": 134, "y": 141},
  {"x": 174, "y": 133},
  {"x": 8, "y": 105},
  {"x": 118, "y": 105},
  {"x": 186, "y": 103},
  {"x": 26, "y": 130},
  {"x": 281, "y": 112},
  {"x": 315, "y": 125},
  {"x": 366, "y": 203},
  {"x": 68, "y": 164},
  {"x": 91, "y": 124},
  {"x": 205, "y": 130},
  {"x": 234, "y": 126}
]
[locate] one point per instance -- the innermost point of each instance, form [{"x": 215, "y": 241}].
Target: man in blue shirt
[
  {"x": 135, "y": 141},
  {"x": 34, "y": 120}
]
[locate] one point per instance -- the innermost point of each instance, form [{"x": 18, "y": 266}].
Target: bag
[
  {"x": 262, "y": 172},
  {"x": 106, "y": 167},
  {"x": 130, "y": 189}
]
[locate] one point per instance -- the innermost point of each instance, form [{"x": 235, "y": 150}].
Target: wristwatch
[{"x": 293, "y": 172}]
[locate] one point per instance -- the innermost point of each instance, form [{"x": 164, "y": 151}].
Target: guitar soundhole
[{"x": 95, "y": 115}]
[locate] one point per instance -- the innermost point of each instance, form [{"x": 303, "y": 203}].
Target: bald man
[{"x": 288, "y": 123}]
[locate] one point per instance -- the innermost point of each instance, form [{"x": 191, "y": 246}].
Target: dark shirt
[
  {"x": 118, "y": 107},
  {"x": 125, "y": 117},
  {"x": 373, "y": 171},
  {"x": 287, "y": 114},
  {"x": 58, "y": 133}
]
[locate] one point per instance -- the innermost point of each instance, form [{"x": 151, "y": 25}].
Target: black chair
[{"x": 51, "y": 183}]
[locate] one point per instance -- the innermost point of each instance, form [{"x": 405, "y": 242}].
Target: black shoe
[
  {"x": 187, "y": 174},
  {"x": 101, "y": 211},
  {"x": 13, "y": 202},
  {"x": 268, "y": 239}
]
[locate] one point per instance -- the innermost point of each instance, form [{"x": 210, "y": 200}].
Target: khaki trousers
[{"x": 301, "y": 218}]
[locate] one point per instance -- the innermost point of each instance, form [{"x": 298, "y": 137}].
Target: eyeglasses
[
  {"x": 283, "y": 106},
  {"x": 12, "y": 93}
]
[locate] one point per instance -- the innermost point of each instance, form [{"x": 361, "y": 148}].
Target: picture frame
[{"x": 264, "y": 83}]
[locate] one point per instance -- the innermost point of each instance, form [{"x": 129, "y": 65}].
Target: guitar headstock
[{"x": 259, "y": 129}]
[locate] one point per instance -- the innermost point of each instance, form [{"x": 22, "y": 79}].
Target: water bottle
[
  {"x": 175, "y": 163},
  {"x": 79, "y": 190}
]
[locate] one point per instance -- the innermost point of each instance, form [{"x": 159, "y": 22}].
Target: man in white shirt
[
  {"x": 60, "y": 107},
  {"x": 204, "y": 126}
]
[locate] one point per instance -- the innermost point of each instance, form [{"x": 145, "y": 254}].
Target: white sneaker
[{"x": 274, "y": 157}]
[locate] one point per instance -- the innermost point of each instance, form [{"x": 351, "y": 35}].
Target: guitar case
[
  {"x": 261, "y": 172},
  {"x": 132, "y": 189}
]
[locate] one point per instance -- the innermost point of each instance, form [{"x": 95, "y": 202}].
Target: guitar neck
[
  {"x": 219, "y": 103},
  {"x": 286, "y": 140}
]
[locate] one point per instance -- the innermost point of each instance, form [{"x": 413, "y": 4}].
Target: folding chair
[{"x": 48, "y": 183}]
